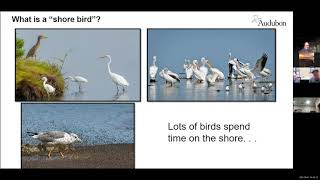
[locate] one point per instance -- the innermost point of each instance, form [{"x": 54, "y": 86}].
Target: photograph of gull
[
  {"x": 223, "y": 65},
  {"x": 77, "y": 135}
]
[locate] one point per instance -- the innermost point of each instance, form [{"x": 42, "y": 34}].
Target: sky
[
  {"x": 86, "y": 45},
  {"x": 172, "y": 46}
]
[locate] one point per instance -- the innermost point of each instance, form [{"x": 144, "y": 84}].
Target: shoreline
[{"x": 95, "y": 156}]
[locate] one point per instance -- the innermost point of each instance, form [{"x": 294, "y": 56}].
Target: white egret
[
  {"x": 197, "y": 73},
  {"x": 49, "y": 89},
  {"x": 270, "y": 85},
  {"x": 169, "y": 76},
  {"x": 188, "y": 69},
  {"x": 227, "y": 88},
  {"x": 153, "y": 70},
  {"x": 263, "y": 89},
  {"x": 79, "y": 80},
  {"x": 117, "y": 79},
  {"x": 203, "y": 68}
]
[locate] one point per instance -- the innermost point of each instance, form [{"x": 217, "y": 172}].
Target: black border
[
  {"x": 110, "y": 104},
  {"x": 275, "y": 66},
  {"x": 139, "y": 29}
]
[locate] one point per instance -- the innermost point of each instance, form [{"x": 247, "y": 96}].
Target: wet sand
[{"x": 98, "y": 156}]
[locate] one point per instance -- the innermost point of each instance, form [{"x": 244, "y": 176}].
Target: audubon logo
[{"x": 258, "y": 20}]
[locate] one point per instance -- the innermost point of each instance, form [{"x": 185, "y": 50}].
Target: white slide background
[{"x": 271, "y": 122}]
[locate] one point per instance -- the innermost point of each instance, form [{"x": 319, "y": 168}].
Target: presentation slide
[{"x": 152, "y": 89}]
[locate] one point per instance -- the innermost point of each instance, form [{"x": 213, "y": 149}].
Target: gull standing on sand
[{"x": 52, "y": 138}]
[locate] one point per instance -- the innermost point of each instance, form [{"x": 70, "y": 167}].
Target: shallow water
[
  {"x": 83, "y": 48},
  {"x": 93, "y": 123},
  {"x": 190, "y": 90}
]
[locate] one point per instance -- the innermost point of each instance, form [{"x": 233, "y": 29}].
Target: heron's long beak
[{"x": 80, "y": 140}]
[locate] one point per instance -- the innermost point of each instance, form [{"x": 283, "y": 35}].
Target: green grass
[{"x": 29, "y": 85}]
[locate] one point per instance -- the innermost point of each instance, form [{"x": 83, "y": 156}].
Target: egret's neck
[
  {"x": 109, "y": 70},
  {"x": 154, "y": 62},
  {"x": 44, "y": 82}
]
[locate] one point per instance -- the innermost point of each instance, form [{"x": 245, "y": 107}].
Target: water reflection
[{"x": 190, "y": 90}]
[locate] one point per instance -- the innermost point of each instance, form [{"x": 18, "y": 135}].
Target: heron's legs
[
  {"x": 80, "y": 87},
  {"x": 123, "y": 89},
  {"x": 117, "y": 89}
]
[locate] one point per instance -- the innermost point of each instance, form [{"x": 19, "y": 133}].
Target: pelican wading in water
[
  {"x": 79, "y": 80},
  {"x": 52, "y": 138},
  {"x": 169, "y": 76},
  {"x": 200, "y": 76},
  {"x": 49, "y": 89},
  {"x": 188, "y": 69},
  {"x": 153, "y": 70},
  {"x": 117, "y": 79},
  {"x": 32, "y": 53},
  {"x": 203, "y": 67},
  {"x": 215, "y": 71}
]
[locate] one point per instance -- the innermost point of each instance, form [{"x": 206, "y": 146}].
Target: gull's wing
[{"x": 51, "y": 136}]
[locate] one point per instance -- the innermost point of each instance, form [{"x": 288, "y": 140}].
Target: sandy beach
[{"x": 97, "y": 156}]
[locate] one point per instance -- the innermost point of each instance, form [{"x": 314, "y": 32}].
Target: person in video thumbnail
[
  {"x": 306, "y": 55},
  {"x": 315, "y": 76}
]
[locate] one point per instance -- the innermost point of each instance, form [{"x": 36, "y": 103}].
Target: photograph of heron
[
  {"x": 77, "y": 135},
  {"x": 212, "y": 65},
  {"x": 77, "y": 65}
]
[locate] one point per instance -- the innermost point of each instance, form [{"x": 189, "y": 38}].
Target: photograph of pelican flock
[
  {"x": 212, "y": 65},
  {"x": 77, "y": 65},
  {"x": 77, "y": 135}
]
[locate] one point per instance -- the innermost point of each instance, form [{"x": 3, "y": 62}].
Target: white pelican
[
  {"x": 153, "y": 70},
  {"x": 169, "y": 76},
  {"x": 117, "y": 79},
  {"x": 197, "y": 73},
  {"x": 203, "y": 68},
  {"x": 215, "y": 70},
  {"x": 259, "y": 67},
  {"x": 79, "y": 80},
  {"x": 188, "y": 69},
  {"x": 49, "y": 89},
  {"x": 211, "y": 78},
  {"x": 234, "y": 66}
]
